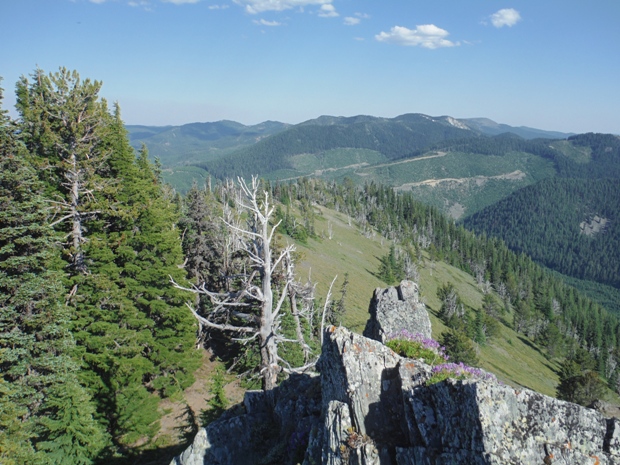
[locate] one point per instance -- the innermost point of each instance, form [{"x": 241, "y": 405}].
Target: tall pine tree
[
  {"x": 134, "y": 335},
  {"x": 45, "y": 414}
]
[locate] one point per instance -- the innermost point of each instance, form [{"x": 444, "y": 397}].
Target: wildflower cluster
[
  {"x": 458, "y": 371},
  {"x": 415, "y": 345}
]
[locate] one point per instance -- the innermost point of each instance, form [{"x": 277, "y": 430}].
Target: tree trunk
[
  {"x": 73, "y": 176},
  {"x": 269, "y": 349}
]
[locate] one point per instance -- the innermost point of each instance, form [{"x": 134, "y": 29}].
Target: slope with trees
[
  {"x": 568, "y": 225},
  {"x": 537, "y": 304},
  {"x": 395, "y": 138}
]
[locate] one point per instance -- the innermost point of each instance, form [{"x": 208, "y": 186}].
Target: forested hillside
[
  {"x": 541, "y": 306},
  {"x": 394, "y": 138},
  {"x": 569, "y": 225},
  {"x": 199, "y": 142}
]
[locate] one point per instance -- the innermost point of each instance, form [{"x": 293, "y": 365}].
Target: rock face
[
  {"x": 369, "y": 407},
  {"x": 395, "y": 309}
]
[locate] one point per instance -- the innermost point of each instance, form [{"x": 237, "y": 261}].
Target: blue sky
[{"x": 548, "y": 64}]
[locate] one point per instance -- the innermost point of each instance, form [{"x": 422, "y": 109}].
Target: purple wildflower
[
  {"x": 425, "y": 342},
  {"x": 460, "y": 370}
]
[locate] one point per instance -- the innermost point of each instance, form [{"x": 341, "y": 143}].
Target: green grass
[
  {"x": 331, "y": 164},
  {"x": 335, "y": 159},
  {"x": 511, "y": 357},
  {"x": 348, "y": 251},
  {"x": 458, "y": 165},
  {"x": 476, "y": 181}
]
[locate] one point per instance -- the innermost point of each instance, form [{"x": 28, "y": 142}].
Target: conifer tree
[
  {"x": 137, "y": 336},
  {"x": 44, "y": 410},
  {"x": 131, "y": 329},
  {"x": 61, "y": 123}
]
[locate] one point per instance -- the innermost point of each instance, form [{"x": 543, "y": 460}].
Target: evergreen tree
[
  {"x": 62, "y": 121},
  {"x": 50, "y": 410},
  {"x": 218, "y": 402},
  {"x": 579, "y": 384},
  {"x": 132, "y": 330},
  {"x": 203, "y": 238},
  {"x": 391, "y": 269},
  {"x": 459, "y": 347},
  {"x": 136, "y": 334}
]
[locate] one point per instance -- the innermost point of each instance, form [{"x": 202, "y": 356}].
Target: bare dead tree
[
  {"x": 253, "y": 308},
  {"x": 305, "y": 292}
]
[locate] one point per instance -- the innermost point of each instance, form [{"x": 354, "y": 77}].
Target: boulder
[{"x": 395, "y": 309}]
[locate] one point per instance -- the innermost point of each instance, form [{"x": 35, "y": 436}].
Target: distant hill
[
  {"x": 203, "y": 142},
  {"x": 491, "y": 128},
  {"x": 393, "y": 138},
  {"x": 457, "y": 165},
  {"x": 199, "y": 142}
]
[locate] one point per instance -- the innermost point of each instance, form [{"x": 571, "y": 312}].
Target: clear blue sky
[{"x": 549, "y": 64}]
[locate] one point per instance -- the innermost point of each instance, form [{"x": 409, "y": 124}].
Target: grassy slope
[{"x": 515, "y": 360}]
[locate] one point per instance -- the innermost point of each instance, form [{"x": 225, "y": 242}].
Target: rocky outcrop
[
  {"x": 269, "y": 428},
  {"x": 395, "y": 309},
  {"x": 369, "y": 407}
]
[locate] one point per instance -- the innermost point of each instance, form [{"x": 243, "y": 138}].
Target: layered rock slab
[{"x": 455, "y": 422}]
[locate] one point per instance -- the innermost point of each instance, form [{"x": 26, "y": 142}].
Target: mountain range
[
  {"x": 458, "y": 165},
  {"x": 201, "y": 142},
  {"x": 472, "y": 169}
]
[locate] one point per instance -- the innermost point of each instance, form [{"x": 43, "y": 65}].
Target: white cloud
[
  {"x": 505, "y": 17},
  {"x": 353, "y": 20},
  {"x": 264, "y": 22},
  {"x": 328, "y": 11},
  {"x": 180, "y": 2},
  {"x": 258, "y": 6},
  {"x": 218, "y": 7},
  {"x": 426, "y": 36}
]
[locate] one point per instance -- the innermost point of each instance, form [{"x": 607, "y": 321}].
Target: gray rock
[
  {"x": 397, "y": 308},
  {"x": 372, "y": 407},
  {"x": 273, "y": 427}
]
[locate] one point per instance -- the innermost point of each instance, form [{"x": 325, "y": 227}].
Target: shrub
[
  {"x": 416, "y": 346},
  {"x": 459, "y": 347}
]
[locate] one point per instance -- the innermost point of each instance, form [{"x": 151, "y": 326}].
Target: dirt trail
[{"x": 411, "y": 160}]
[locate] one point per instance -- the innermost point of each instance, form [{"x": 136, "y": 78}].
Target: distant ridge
[
  {"x": 199, "y": 142},
  {"x": 491, "y": 128},
  {"x": 203, "y": 142}
]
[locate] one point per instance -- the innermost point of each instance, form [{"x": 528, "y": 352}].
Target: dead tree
[{"x": 253, "y": 308}]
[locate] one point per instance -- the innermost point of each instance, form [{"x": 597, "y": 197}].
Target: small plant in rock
[
  {"x": 415, "y": 345},
  {"x": 458, "y": 371},
  {"x": 218, "y": 402}
]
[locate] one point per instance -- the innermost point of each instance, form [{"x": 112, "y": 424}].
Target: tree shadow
[
  {"x": 531, "y": 345},
  {"x": 157, "y": 456},
  {"x": 186, "y": 431}
]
